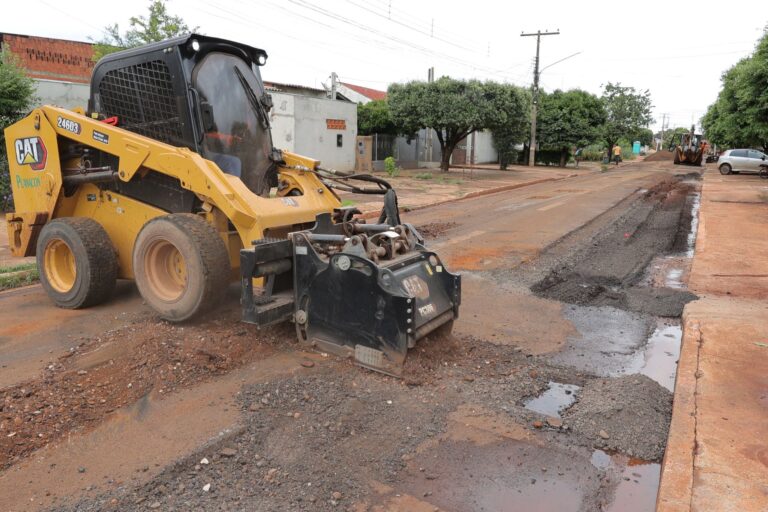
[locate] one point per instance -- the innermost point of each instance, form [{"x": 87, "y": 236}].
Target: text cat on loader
[{"x": 170, "y": 178}]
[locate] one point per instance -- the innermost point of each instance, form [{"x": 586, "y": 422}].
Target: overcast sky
[{"x": 677, "y": 50}]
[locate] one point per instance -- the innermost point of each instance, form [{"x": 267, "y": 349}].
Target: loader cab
[{"x": 193, "y": 91}]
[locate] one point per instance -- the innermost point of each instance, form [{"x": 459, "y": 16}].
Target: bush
[
  {"x": 423, "y": 176},
  {"x": 543, "y": 157},
  {"x": 593, "y": 153},
  {"x": 390, "y": 166},
  {"x": 6, "y": 196}
]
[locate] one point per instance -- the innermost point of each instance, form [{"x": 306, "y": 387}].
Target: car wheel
[{"x": 725, "y": 169}]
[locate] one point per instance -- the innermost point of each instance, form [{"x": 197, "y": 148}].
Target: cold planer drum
[{"x": 366, "y": 291}]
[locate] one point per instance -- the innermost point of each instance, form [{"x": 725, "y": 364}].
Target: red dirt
[
  {"x": 660, "y": 156},
  {"x": 101, "y": 375}
]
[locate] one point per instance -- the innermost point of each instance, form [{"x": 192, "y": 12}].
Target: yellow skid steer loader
[{"x": 170, "y": 179}]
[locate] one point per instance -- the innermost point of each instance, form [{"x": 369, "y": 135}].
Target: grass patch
[
  {"x": 15, "y": 276},
  {"x": 451, "y": 181},
  {"x": 18, "y": 268},
  {"x": 347, "y": 202},
  {"x": 423, "y": 176}
]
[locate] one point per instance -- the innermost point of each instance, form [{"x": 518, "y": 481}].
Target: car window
[
  {"x": 739, "y": 152},
  {"x": 755, "y": 154}
]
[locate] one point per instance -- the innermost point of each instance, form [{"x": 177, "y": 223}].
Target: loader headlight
[
  {"x": 194, "y": 45},
  {"x": 261, "y": 59}
]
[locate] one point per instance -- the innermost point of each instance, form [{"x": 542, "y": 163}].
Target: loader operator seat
[{"x": 236, "y": 122}]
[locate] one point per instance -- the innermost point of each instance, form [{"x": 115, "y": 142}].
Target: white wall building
[
  {"x": 62, "y": 94},
  {"x": 319, "y": 128}
]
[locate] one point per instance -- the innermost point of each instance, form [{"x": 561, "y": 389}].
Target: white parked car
[{"x": 741, "y": 160}]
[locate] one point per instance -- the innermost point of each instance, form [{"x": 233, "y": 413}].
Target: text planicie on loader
[
  {"x": 171, "y": 179},
  {"x": 689, "y": 148}
]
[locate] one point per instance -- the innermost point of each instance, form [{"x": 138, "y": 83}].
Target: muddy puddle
[
  {"x": 637, "y": 481},
  {"x": 504, "y": 476},
  {"x": 554, "y": 400}
]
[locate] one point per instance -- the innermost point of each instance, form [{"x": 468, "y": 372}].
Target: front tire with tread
[
  {"x": 90, "y": 271},
  {"x": 725, "y": 169},
  {"x": 181, "y": 266}
]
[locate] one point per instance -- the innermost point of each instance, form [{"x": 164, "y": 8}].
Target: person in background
[
  {"x": 617, "y": 154},
  {"x": 577, "y": 155}
]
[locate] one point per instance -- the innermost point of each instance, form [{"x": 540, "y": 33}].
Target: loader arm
[{"x": 249, "y": 214}]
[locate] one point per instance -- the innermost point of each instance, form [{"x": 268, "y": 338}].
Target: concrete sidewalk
[{"x": 717, "y": 453}]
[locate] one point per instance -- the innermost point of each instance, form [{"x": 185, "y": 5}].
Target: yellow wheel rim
[
  {"x": 60, "y": 269},
  {"x": 166, "y": 270}
]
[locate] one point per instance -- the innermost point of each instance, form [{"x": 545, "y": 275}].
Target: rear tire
[
  {"x": 725, "y": 169},
  {"x": 77, "y": 262},
  {"x": 181, "y": 266}
]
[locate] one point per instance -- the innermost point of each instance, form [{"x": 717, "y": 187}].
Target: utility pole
[
  {"x": 663, "y": 120},
  {"x": 535, "y": 95},
  {"x": 334, "y": 83}
]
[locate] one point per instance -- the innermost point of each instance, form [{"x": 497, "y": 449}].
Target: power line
[
  {"x": 407, "y": 44},
  {"x": 410, "y": 27}
]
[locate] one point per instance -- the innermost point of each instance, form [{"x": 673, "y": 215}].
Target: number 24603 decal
[{"x": 69, "y": 125}]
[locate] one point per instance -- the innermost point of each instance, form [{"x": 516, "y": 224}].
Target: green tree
[
  {"x": 672, "y": 137},
  {"x": 158, "y": 25},
  {"x": 515, "y": 128},
  {"x": 627, "y": 111},
  {"x": 645, "y": 136},
  {"x": 739, "y": 116},
  {"x": 375, "y": 117},
  {"x": 453, "y": 108},
  {"x": 567, "y": 119},
  {"x": 16, "y": 97}
]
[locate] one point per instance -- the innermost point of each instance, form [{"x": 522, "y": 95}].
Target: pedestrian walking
[
  {"x": 617, "y": 154},
  {"x": 577, "y": 155}
]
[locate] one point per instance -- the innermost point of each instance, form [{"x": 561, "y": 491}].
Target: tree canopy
[
  {"x": 644, "y": 136},
  {"x": 627, "y": 111},
  {"x": 569, "y": 118},
  {"x": 672, "y": 137},
  {"x": 158, "y": 25},
  {"x": 453, "y": 108},
  {"x": 16, "y": 96},
  {"x": 739, "y": 116},
  {"x": 375, "y": 117},
  {"x": 515, "y": 129}
]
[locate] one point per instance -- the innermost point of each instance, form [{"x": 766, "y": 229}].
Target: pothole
[
  {"x": 661, "y": 354},
  {"x": 637, "y": 481},
  {"x": 554, "y": 400}
]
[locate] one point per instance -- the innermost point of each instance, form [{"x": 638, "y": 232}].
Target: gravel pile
[{"x": 628, "y": 414}]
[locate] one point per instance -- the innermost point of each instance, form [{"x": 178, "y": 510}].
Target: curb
[{"x": 676, "y": 480}]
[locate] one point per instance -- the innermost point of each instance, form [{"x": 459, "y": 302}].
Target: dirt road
[{"x": 553, "y": 399}]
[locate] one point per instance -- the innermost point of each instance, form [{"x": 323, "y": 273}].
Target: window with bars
[{"x": 142, "y": 98}]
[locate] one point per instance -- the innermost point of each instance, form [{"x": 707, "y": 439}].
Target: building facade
[{"x": 60, "y": 69}]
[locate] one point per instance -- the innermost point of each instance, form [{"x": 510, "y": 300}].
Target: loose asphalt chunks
[
  {"x": 460, "y": 431},
  {"x": 610, "y": 271}
]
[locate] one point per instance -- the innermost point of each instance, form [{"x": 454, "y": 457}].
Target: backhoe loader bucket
[{"x": 367, "y": 291}]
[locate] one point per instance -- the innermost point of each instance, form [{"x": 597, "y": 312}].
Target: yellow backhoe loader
[
  {"x": 170, "y": 178},
  {"x": 689, "y": 148}
]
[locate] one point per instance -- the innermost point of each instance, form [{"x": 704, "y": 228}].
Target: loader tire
[
  {"x": 77, "y": 262},
  {"x": 181, "y": 266}
]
